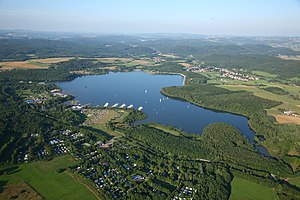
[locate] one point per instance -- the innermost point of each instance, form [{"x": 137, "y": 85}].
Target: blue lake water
[{"x": 142, "y": 89}]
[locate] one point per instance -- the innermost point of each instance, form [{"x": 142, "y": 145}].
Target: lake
[{"x": 141, "y": 89}]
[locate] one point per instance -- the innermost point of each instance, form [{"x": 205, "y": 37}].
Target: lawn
[
  {"x": 45, "y": 179},
  {"x": 245, "y": 190}
]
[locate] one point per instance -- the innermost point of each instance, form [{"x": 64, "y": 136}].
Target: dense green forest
[
  {"x": 219, "y": 143},
  {"x": 23, "y": 49}
]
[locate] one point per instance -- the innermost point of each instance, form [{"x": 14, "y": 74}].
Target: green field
[
  {"x": 265, "y": 74},
  {"x": 44, "y": 178},
  {"x": 242, "y": 189}
]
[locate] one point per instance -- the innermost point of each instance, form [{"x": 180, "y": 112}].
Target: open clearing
[
  {"x": 242, "y": 189},
  {"x": 97, "y": 118},
  {"x": 45, "y": 179},
  {"x": 284, "y": 119}
]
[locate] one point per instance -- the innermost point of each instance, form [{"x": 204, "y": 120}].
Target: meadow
[
  {"x": 242, "y": 189},
  {"x": 44, "y": 177}
]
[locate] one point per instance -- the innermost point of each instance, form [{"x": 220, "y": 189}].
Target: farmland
[{"x": 44, "y": 177}]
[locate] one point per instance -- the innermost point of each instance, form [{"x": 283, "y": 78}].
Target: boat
[
  {"x": 106, "y": 104},
  {"x": 140, "y": 108},
  {"x": 115, "y": 105},
  {"x": 131, "y": 106}
]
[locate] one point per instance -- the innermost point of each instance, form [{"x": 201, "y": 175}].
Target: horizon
[
  {"x": 214, "y": 18},
  {"x": 173, "y": 34}
]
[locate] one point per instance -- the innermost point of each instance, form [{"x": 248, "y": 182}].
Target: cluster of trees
[
  {"x": 276, "y": 90},
  {"x": 167, "y": 67},
  {"x": 210, "y": 96}
]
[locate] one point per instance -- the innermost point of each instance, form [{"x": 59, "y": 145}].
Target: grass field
[
  {"x": 45, "y": 179},
  {"x": 245, "y": 190}
]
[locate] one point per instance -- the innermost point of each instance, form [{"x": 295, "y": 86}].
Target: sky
[{"x": 210, "y": 17}]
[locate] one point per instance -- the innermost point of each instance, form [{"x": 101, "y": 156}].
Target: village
[{"x": 233, "y": 74}]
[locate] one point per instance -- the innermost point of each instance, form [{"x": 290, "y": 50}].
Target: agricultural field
[
  {"x": 32, "y": 64},
  {"x": 44, "y": 177},
  {"x": 242, "y": 189},
  {"x": 284, "y": 119},
  {"x": 21, "y": 65}
]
